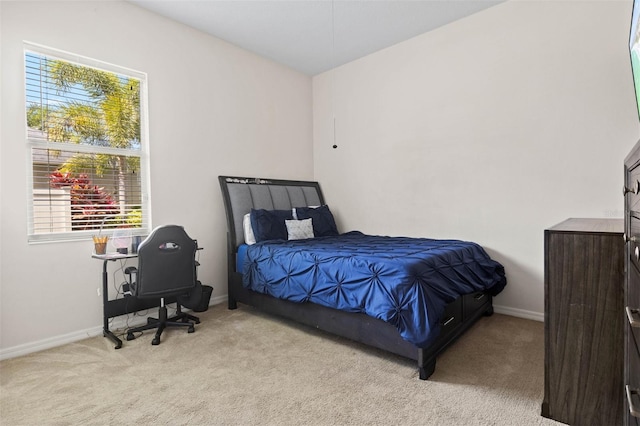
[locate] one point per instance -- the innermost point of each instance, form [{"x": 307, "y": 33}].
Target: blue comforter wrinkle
[{"x": 404, "y": 281}]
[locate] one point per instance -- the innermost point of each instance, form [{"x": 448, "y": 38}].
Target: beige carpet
[{"x": 245, "y": 368}]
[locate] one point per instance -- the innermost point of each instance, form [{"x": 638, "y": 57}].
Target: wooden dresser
[
  {"x": 631, "y": 192},
  {"x": 584, "y": 322}
]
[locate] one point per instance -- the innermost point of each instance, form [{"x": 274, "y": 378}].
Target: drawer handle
[
  {"x": 627, "y": 239},
  {"x": 630, "y": 316},
  {"x": 632, "y": 409},
  {"x": 637, "y": 253},
  {"x": 479, "y": 297},
  {"x": 635, "y": 189},
  {"x": 448, "y": 321}
]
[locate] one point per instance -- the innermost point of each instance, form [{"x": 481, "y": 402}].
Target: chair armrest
[{"x": 128, "y": 271}]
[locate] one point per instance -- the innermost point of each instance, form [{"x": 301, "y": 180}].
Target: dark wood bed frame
[{"x": 240, "y": 194}]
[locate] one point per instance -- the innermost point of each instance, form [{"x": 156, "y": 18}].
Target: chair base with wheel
[{"x": 180, "y": 320}]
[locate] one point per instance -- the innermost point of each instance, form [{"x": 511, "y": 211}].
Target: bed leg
[
  {"x": 426, "y": 365},
  {"x": 427, "y": 370},
  {"x": 232, "y": 304}
]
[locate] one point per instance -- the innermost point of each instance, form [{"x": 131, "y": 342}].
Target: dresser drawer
[
  {"x": 633, "y": 355},
  {"x": 634, "y": 240},
  {"x": 632, "y": 382},
  {"x": 632, "y": 339},
  {"x": 632, "y": 307},
  {"x": 632, "y": 189}
]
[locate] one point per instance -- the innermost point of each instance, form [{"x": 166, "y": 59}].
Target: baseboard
[
  {"x": 520, "y": 313},
  {"x": 52, "y": 342},
  {"x": 121, "y": 322},
  {"x": 218, "y": 300}
]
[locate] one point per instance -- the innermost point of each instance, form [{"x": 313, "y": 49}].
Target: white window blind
[{"x": 86, "y": 133}]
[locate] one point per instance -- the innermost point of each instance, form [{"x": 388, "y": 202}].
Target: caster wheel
[
  {"x": 155, "y": 341},
  {"x": 488, "y": 312},
  {"x": 130, "y": 336},
  {"x": 198, "y": 321},
  {"x": 191, "y": 329}
]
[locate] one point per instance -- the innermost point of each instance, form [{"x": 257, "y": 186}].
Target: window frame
[{"x": 143, "y": 152}]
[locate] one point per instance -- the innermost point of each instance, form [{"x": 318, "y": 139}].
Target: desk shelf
[{"x": 130, "y": 304}]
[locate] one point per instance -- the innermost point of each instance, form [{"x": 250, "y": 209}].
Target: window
[{"x": 88, "y": 154}]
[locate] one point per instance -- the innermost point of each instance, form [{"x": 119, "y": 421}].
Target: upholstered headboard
[{"x": 241, "y": 194}]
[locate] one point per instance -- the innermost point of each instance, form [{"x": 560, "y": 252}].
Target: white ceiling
[{"x": 313, "y": 36}]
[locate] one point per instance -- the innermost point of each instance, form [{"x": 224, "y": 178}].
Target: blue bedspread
[{"x": 406, "y": 282}]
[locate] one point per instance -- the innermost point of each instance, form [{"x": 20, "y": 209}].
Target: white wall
[
  {"x": 214, "y": 109},
  {"x": 489, "y": 129}
]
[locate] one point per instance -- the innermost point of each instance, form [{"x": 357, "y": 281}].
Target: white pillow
[
  {"x": 299, "y": 229},
  {"x": 249, "y": 238}
]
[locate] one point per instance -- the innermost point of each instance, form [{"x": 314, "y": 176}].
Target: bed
[{"x": 409, "y": 296}]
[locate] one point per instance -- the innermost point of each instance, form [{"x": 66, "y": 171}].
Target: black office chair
[{"x": 166, "y": 267}]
